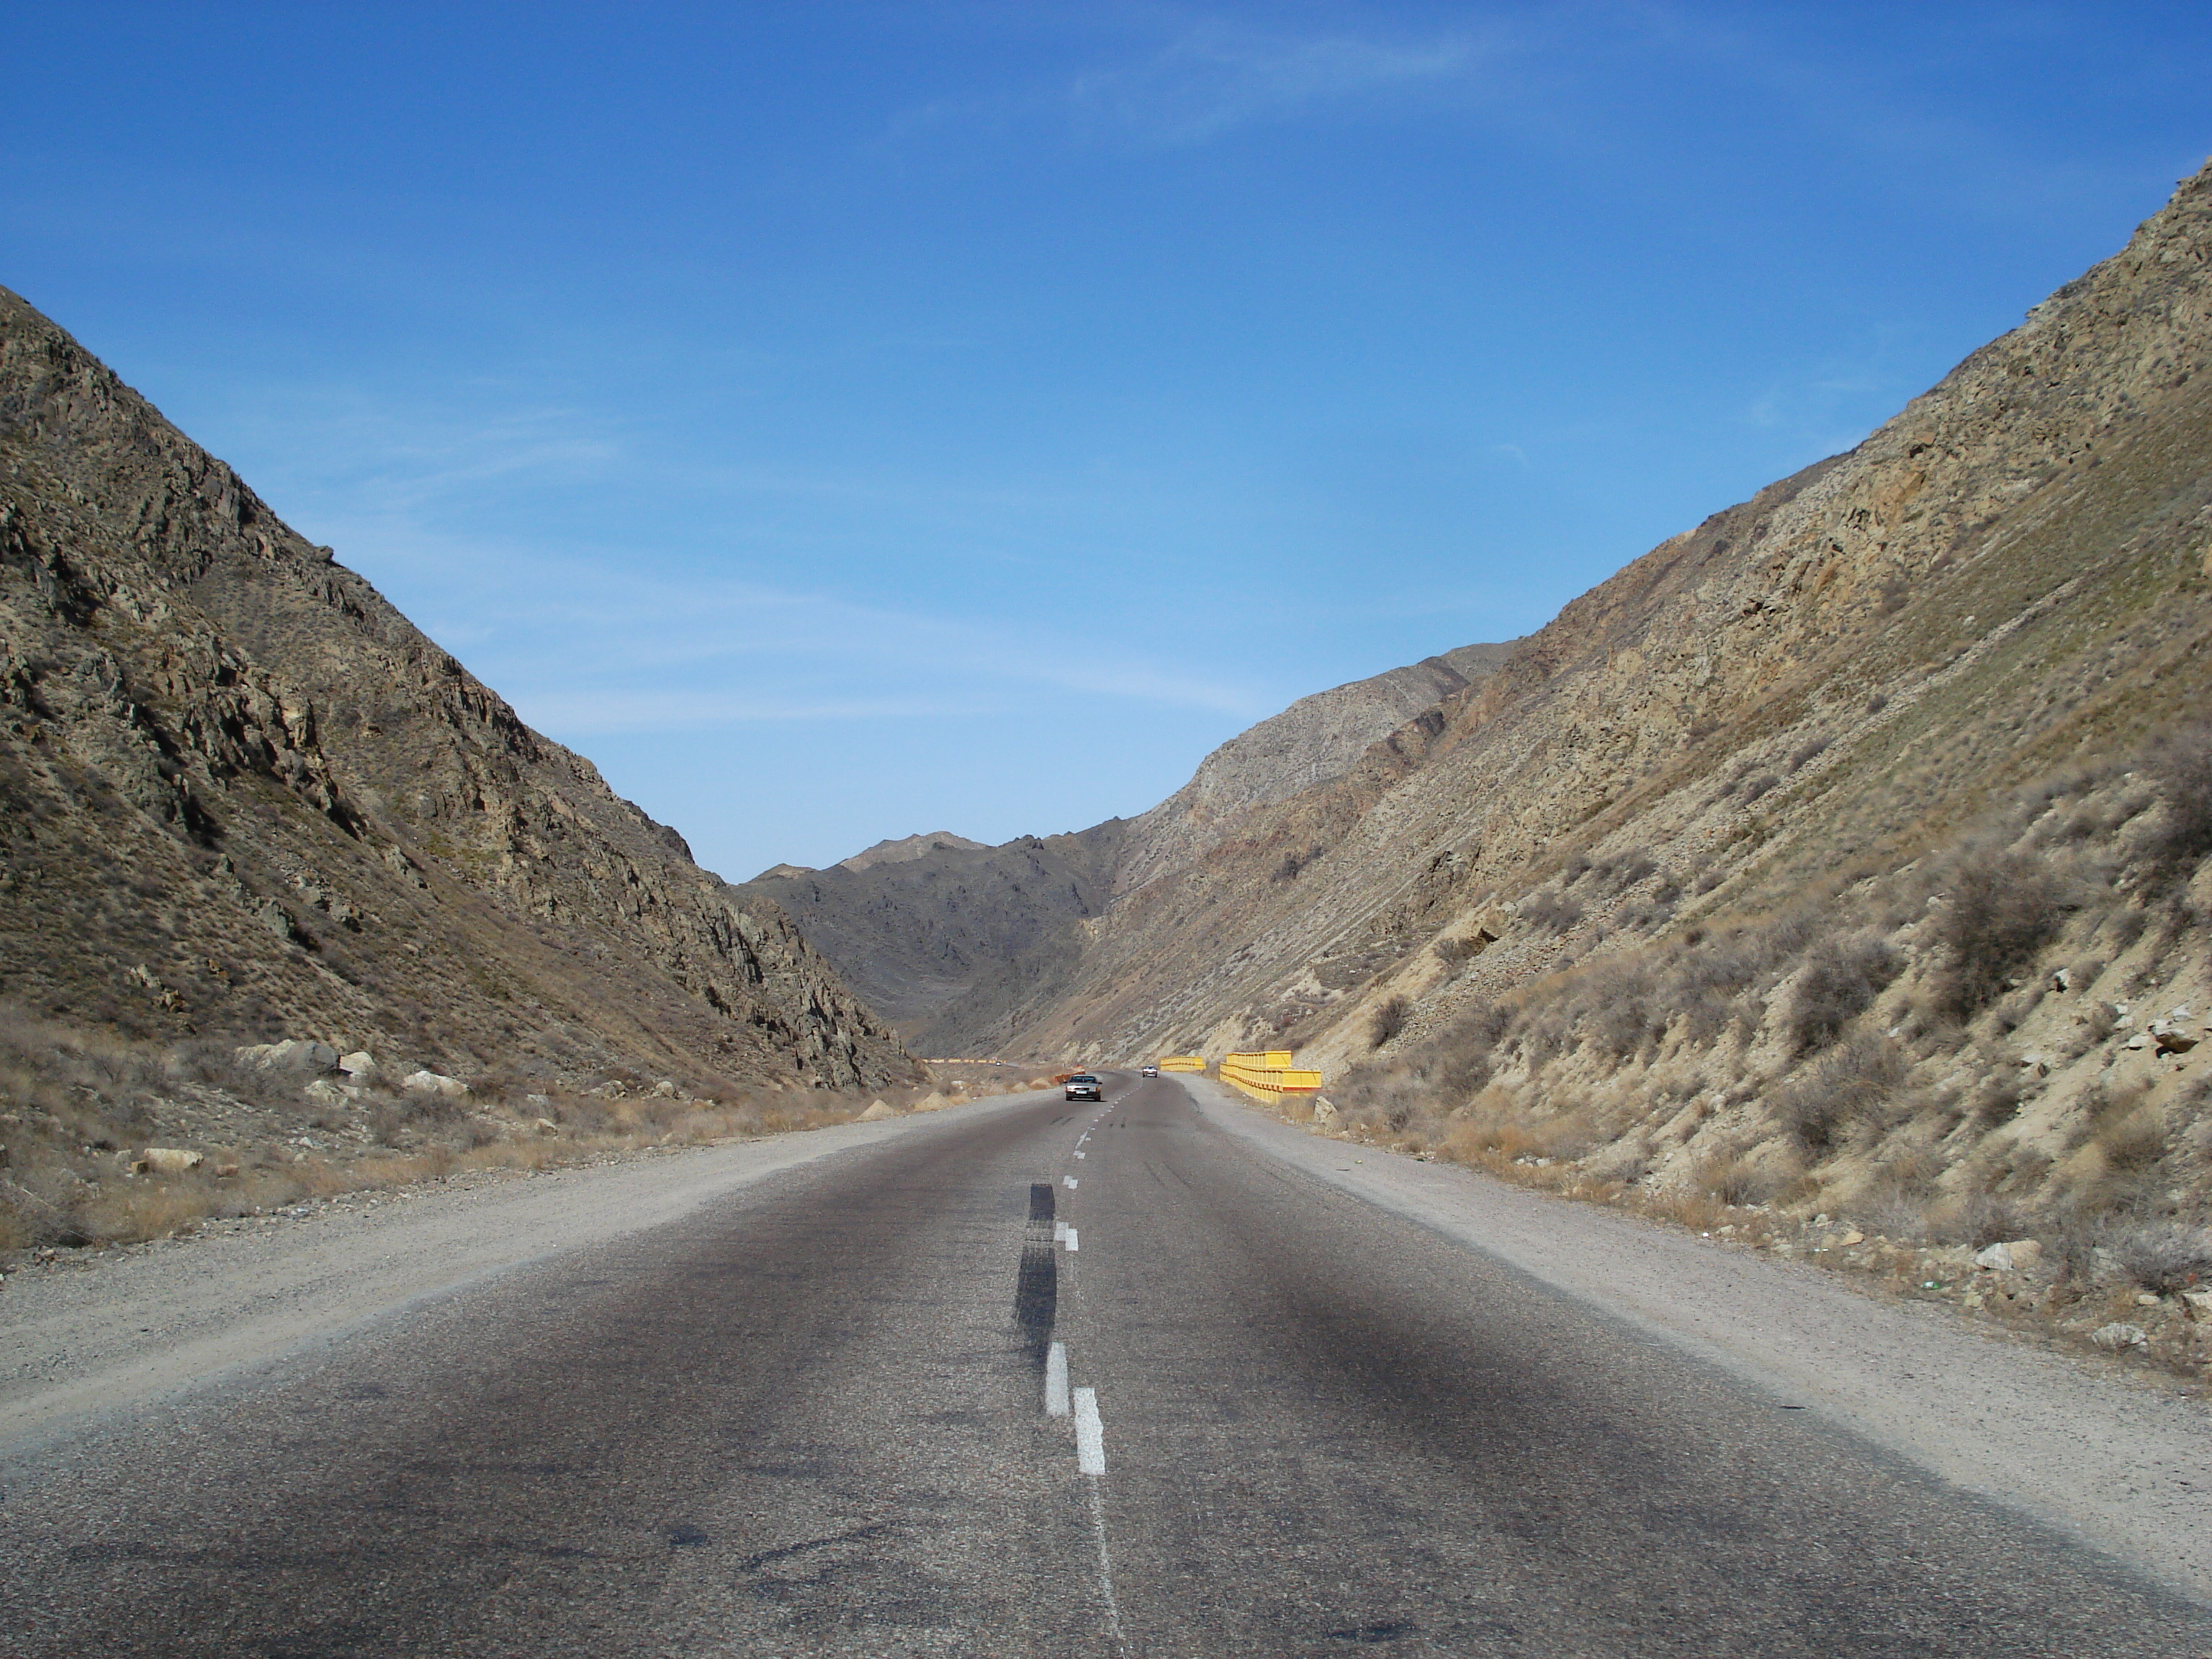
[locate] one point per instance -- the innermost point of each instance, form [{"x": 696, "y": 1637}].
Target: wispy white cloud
[
  {"x": 1218, "y": 77},
  {"x": 1211, "y": 76}
]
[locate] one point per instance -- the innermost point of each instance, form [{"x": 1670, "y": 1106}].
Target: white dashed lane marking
[
  {"x": 1090, "y": 1432},
  {"x": 1055, "y": 1381},
  {"x": 1069, "y": 1181},
  {"x": 1072, "y": 1244}
]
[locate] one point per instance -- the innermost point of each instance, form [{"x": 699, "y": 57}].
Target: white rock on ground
[
  {"x": 167, "y": 1160},
  {"x": 298, "y": 1053},
  {"x": 432, "y": 1083}
]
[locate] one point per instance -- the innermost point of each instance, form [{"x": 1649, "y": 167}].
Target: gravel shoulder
[
  {"x": 2125, "y": 1468},
  {"x": 82, "y": 1342}
]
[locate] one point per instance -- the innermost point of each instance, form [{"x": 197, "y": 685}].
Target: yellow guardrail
[
  {"x": 1183, "y": 1063},
  {"x": 1268, "y": 1076}
]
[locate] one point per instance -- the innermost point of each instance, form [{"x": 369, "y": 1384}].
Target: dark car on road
[{"x": 1084, "y": 1086}]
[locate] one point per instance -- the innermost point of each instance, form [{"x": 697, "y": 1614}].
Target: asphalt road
[{"x": 1059, "y": 1379}]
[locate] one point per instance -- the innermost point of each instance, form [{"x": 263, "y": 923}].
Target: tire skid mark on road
[{"x": 1037, "y": 1283}]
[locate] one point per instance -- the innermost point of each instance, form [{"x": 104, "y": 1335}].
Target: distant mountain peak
[{"x": 913, "y": 846}]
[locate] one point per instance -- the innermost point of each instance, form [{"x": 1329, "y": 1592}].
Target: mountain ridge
[{"x": 246, "y": 795}]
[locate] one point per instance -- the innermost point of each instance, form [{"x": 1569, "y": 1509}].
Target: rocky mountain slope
[
  {"x": 241, "y": 796},
  {"x": 2007, "y": 579},
  {"x": 947, "y": 936}
]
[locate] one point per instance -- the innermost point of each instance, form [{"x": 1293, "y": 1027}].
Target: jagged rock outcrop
[{"x": 241, "y": 793}]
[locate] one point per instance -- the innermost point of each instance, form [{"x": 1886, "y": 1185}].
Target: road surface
[{"x": 1053, "y": 1379}]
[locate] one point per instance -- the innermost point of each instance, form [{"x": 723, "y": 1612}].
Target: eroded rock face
[{"x": 227, "y": 764}]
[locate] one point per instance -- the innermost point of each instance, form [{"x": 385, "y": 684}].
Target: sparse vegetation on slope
[{"x": 2002, "y": 1039}]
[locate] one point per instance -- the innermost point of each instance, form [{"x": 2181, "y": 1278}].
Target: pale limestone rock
[{"x": 167, "y": 1160}]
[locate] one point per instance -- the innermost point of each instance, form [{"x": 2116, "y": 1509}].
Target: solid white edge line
[
  {"x": 1055, "y": 1380},
  {"x": 1089, "y": 1433}
]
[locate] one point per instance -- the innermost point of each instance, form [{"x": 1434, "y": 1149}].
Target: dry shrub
[
  {"x": 1850, "y": 1088},
  {"x": 1840, "y": 982},
  {"x": 2164, "y": 1256},
  {"x": 2002, "y": 909},
  {"x": 1550, "y": 912},
  {"x": 2181, "y": 768},
  {"x": 1461, "y": 1057},
  {"x": 2132, "y": 1141},
  {"x": 1977, "y": 1219},
  {"x": 1495, "y": 1129},
  {"x": 1386, "y": 1021},
  {"x": 146, "y": 1210},
  {"x": 1746, "y": 1178}
]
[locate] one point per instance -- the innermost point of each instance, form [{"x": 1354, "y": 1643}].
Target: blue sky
[{"x": 843, "y": 420}]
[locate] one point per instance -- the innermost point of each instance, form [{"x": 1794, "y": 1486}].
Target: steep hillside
[
  {"x": 2007, "y": 577},
  {"x": 241, "y": 796},
  {"x": 949, "y": 937}
]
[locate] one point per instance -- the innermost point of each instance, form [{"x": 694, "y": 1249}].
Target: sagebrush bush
[
  {"x": 2165, "y": 1256},
  {"x": 1851, "y": 1085},
  {"x": 1554, "y": 913},
  {"x": 2180, "y": 765},
  {"x": 2002, "y": 909},
  {"x": 1388, "y": 1019},
  {"x": 1840, "y": 982}
]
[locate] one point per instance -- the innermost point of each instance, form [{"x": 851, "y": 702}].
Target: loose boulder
[
  {"x": 293, "y": 1055},
  {"x": 167, "y": 1160},
  {"x": 361, "y": 1066},
  {"x": 2118, "y": 1336},
  {"x": 433, "y": 1083}
]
